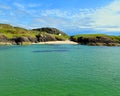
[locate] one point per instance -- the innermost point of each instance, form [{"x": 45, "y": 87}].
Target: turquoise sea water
[{"x": 59, "y": 70}]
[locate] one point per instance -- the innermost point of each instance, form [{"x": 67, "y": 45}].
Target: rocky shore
[
  {"x": 48, "y": 39},
  {"x": 10, "y": 35},
  {"x": 96, "y": 40}
]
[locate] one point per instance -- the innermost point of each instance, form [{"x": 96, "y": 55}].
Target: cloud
[
  {"x": 19, "y": 5},
  {"x": 4, "y": 21},
  {"x": 1, "y": 12},
  {"x": 32, "y": 5},
  {"x": 5, "y": 7},
  {"x": 65, "y": 19},
  {"x": 107, "y": 18}
]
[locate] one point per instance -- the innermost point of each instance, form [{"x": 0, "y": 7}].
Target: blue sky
[{"x": 71, "y": 16}]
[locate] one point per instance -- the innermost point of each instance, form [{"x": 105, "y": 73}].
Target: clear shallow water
[{"x": 59, "y": 70}]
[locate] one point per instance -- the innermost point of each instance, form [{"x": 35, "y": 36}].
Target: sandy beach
[
  {"x": 58, "y": 42},
  {"x": 48, "y": 42}
]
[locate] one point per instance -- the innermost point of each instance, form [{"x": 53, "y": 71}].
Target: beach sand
[
  {"x": 58, "y": 42},
  {"x": 48, "y": 42}
]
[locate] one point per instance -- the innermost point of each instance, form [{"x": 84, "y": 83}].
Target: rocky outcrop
[
  {"x": 96, "y": 40},
  {"x": 27, "y": 40},
  {"x": 51, "y": 31},
  {"x": 3, "y": 38},
  {"x": 45, "y": 37},
  {"x": 39, "y": 38},
  {"x": 18, "y": 35},
  {"x": 20, "y": 40}
]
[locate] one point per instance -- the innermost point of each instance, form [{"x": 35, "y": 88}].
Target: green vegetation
[
  {"x": 116, "y": 38},
  {"x": 18, "y": 35},
  {"x": 61, "y": 38},
  {"x": 89, "y": 35},
  {"x": 51, "y": 31},
  {"x": 10, "y": 33},
  {"x": 96, "y": 39}
]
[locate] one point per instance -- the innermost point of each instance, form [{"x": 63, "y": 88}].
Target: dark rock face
[
  {"x": 20, "y": 40},
  {"x": 44, "y": 38},
  {"x": 31, "y": 39},
  {"x": 3, "y": 38},
  {"x": 50, "y": 30},
  {"x": 98, "y": 40},
  {"x": 20, "y": 35},
  {"x": 95, "y": 40}
]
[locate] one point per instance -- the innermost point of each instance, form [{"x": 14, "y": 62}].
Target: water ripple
[{"x": 44, "y": 51}]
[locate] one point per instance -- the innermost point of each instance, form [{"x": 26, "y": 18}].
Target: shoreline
[
  {"x": 57, "y": 42},
  {"x": 48, "y": 42}
]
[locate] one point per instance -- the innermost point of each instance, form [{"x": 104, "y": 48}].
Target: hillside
[
  {"x": 16, "y": 35},
  {"x": 96, "y": 39},
  {"x": 50, "y": 31}
]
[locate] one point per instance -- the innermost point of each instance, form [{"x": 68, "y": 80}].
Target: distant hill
[{"x": 51, "y": 31}]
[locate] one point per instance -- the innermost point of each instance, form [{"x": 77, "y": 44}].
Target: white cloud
[
  {"x": 4, "y": 21},
  {"x": 34, "y": 5},
  {"x": 65, "y": 19},
  {"x": 1, "y": 12},
  {"x": 105, "y": 19},
  {"x": 19, "y": 5},
  {"x": 5, "y": 7},
  {"x": 108, "y": 18}
]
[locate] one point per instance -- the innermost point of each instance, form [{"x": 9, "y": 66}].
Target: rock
[
  {"x": 20, "y": 40},
  {"x": 45, "y": 37},
  {"x": 3, "y": 38},
  {"x": 31, "y": 39},
  {"x": 96, "y": 40},
  {"x": 51, "y": 31}
]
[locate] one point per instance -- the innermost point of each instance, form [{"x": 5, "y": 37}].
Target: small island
[{"x": 10, "y": 35}]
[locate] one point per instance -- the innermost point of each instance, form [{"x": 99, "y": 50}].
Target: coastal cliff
[
  {"x": 96, "y": 39},
  {"x": 20, "y": 36},
  {"x": 17, "y": 35}
]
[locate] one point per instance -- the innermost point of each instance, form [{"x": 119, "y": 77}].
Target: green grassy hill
[
  {"x": 10, "y": 33},
  {"x": 96, "y": 39}
]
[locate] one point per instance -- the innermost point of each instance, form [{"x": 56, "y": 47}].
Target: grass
[
  {"x": 96, "y": 35},
  {"x": 9, "y": 35},
  {"x": 89, "y": 35},
  {"x": 117, "y": 38},
  {"x": 11, "y": 32},
  {"x": 58, "y": 37}
]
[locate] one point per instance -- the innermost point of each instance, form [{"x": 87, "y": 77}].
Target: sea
[{"x": 59, "y": 70}]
